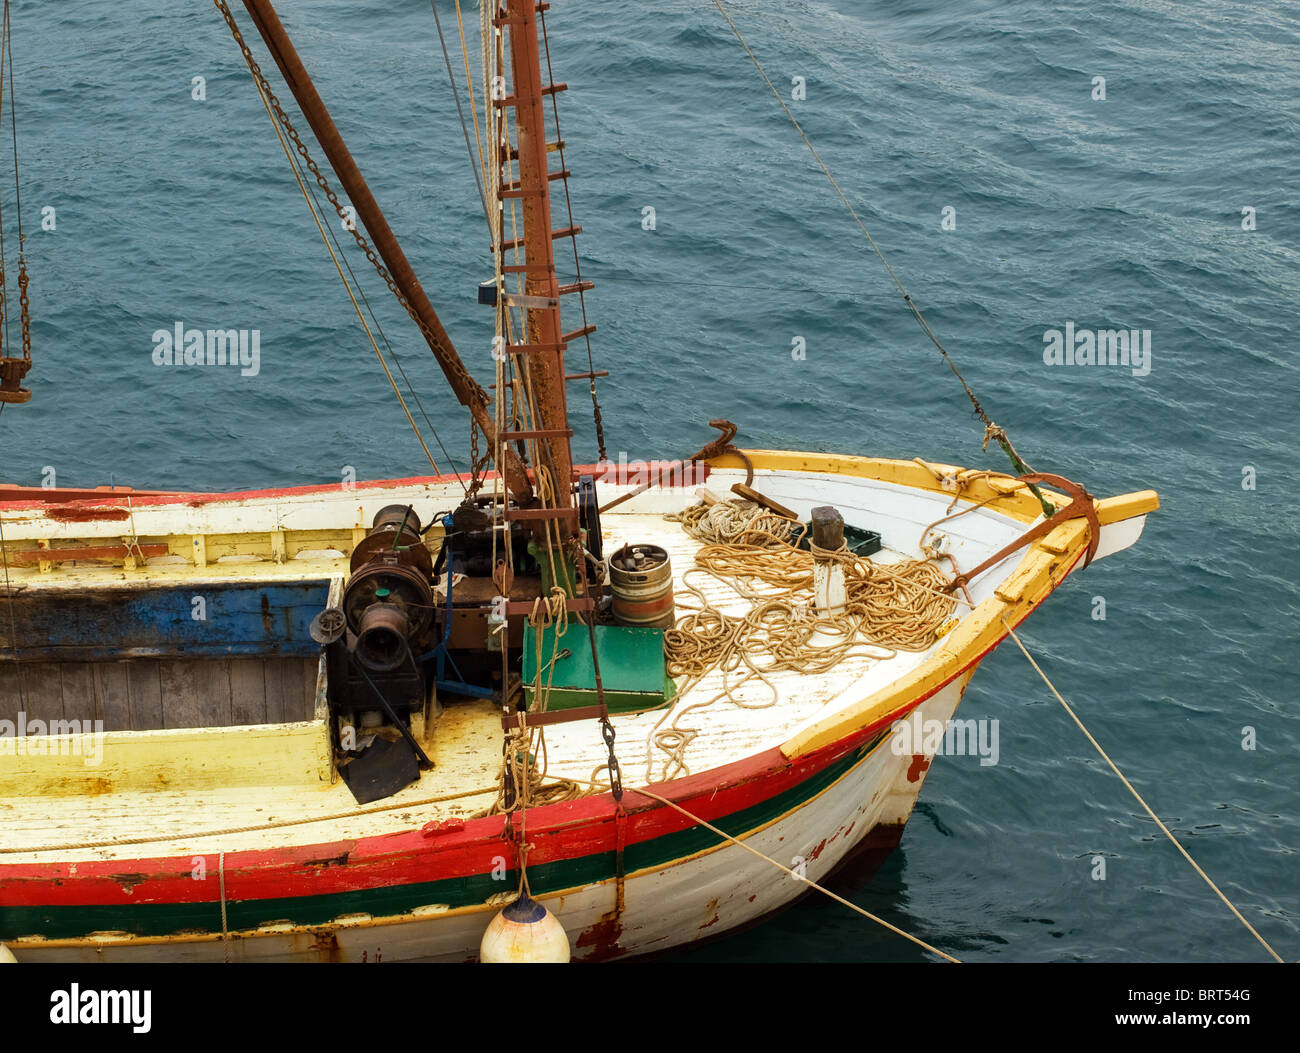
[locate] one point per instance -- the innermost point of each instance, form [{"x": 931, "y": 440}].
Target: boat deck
[{"x": 705, "y": 726}]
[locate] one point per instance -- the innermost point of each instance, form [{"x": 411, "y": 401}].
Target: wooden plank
[
  {"x": 113, "y": 684},
  {"x": 247, "y": 691},
  {"x": 97, "y": 553},
  {"x": 44, "y": 682},
  {"x": 13, "y": 691},
  {"x": 146, "y": 695},
  {"x": 310, "y": 667},
  {"x": 182, "y": 707},
  {"x": 79, "y": 696},
  {"x": 750, "y": 494},
  {"x": 213, "y": 693},
  {"x": 277, "y": 704}
]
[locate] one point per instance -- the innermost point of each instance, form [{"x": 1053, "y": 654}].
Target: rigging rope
[
  {"x": 346, "y": 285},
  {"x": 1129, "y": 786},
  {"x": 478, "y": 178},
  {"x": 991, "y": 430},
  {"x": 278, "y": 118}
]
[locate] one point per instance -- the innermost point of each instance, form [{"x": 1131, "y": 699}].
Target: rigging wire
[
  {"x": 478, "y": 178},
  {"x": 272, "y": 106},
  {"x": 991, "y": 430},
  {"x": 4, "y": 277},
  {"x": 410, "y": 388},
  {"x": 573, "y": 238},
  {"x": 311, "y": 204}
]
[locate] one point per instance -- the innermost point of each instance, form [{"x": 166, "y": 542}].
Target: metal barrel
[{"x": 641, "y": 579}]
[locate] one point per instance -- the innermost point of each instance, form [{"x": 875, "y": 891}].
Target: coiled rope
[{"x": 889, "y": 608}]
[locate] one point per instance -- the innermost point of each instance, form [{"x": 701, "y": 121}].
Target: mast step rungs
[
  {"x": 534, "y": 349},
  {"x": 578, "y": 334},
  {"x": 574, "y": 604},
  {"x": 531, "y": 514},
  {"x": 513, "y": 152},
  {"x": 531, "y": 191},
  {"x": 555, "y": 89},
  {"x": 541, "y": 433},
  {"x": 531, "y": 303},
  {"x": 552, "y": 177},
  {"x": 565, "y": 290},
  {"x": 573, "y": 376},
  {"x": 526, "y": 268},
  {"x": 567, "y": 232}
]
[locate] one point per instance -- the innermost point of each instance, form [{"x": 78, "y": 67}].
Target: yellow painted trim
[
  {"x": 299, "y": 753},
  {"x": 1044, "y": 566},
  {"x": 1018, "y": 505}
]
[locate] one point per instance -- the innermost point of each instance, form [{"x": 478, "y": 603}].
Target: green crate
[{"x": 632, "y": 669}]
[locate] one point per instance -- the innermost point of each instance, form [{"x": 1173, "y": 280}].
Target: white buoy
[
  {"x": 524, "y": 932},
  {"x": 7, "y": 956}
]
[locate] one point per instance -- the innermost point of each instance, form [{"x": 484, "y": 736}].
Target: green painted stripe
[{"x": 161, "y": 919}]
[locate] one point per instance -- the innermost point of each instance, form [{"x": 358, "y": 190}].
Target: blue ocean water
[{"x": 1123, "y": 212}]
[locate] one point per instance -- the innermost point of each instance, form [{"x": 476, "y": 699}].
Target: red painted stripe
[
  {"x": 18, "y": 497},
  {"x": 558, "y": 832}
]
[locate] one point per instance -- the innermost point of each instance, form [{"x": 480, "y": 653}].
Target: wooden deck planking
[
  {"x": 146, "y": 695},
  {"x": 113, "y": 682},
  {"x": 247, "y": 691}
]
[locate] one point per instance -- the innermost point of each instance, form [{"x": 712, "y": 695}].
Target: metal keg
[{"x": 641, "y": 579}]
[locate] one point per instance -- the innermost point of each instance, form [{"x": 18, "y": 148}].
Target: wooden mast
[
  {"x": 543, "y": 354},
  {"x": 372, "y": 217}
]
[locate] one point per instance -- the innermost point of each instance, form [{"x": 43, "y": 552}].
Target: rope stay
[
  {"x": 279, "y": 118},
  {"x": 991, "y": 430},
  {"x": 1129, "y": 786}
]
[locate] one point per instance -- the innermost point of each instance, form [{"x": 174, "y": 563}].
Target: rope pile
[
  {"x": 897, "y": 606},
  {"x": 889, "y": 608},
  {"x": 736, "y": 522}
]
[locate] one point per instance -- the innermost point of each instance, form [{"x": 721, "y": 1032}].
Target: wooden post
[{"x": 829, "y": 592}]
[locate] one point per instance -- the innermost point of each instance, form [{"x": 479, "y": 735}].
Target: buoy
[
  {"x": 7, "y": 956},
  {"x": 523, "y": 933}
]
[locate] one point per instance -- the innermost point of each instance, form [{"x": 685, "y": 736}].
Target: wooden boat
[{"x": 212, "y": 755}]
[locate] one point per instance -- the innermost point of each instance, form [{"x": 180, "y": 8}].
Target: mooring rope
[
  {"x": 807, "y": 881},
  {"x": 1129, "y": 786},
  {"x": 225, "y": 927}
]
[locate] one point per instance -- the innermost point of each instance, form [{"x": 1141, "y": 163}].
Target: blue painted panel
[{"x": 198, "y": 621}]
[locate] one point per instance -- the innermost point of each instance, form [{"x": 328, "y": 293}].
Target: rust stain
[
  {"x": 920, "y": 765},
  {"x": 84, "y": 514},
  {"x": 327, "y": 946},
  {"x": 602, "y": 937},
  {"x": 712, "y": 908},
  {"x": 266, "y": 616},
  {"x": 818, "y": 849},
  {"x": 129, "y": 881},
  {"x": 330, "y": 861}
]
